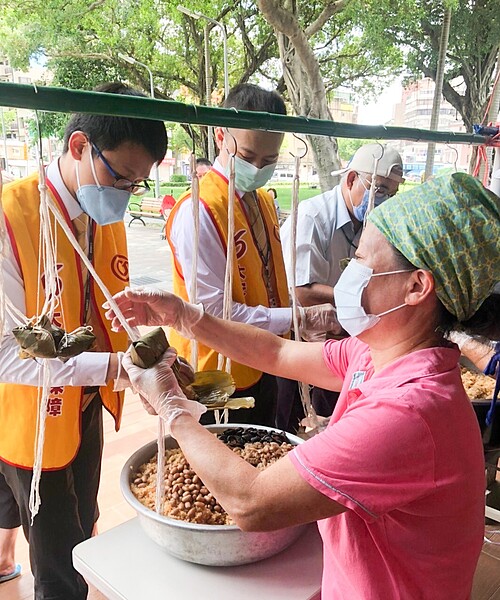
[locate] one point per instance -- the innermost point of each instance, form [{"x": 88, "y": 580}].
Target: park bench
[{"x": 146, "y": 207}]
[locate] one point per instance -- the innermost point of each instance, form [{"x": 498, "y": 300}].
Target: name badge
[{"x": 357, "y": 379}]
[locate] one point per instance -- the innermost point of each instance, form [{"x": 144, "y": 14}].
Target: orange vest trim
[
  {"x": 248, "y": 285},
  {"x": 19, "y": 403}
]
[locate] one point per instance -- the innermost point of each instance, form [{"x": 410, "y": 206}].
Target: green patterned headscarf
[{"x": 449, "y": 226}]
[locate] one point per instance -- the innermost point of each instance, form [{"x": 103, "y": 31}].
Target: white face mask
[
  {"x": 348, "y": 292},
  {"x": 248, "y": 177}
]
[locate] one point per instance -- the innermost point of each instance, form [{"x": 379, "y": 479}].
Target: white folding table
[{"x": 124, "y": 564}]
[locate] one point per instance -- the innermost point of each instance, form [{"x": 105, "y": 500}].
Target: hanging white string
[
  {"x": 35, "y": 499},
  {"x": 160, "y": 467},
  {"x": 47, "y": 262},
  {"x": 193, "y": 291},
  {"x": 311, "y": 419},
  {"x": 227, "y": 305},
  {"x": 373, "y": 186}
]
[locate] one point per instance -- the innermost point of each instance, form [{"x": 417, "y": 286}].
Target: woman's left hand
[{"x": 158, "y": 387}]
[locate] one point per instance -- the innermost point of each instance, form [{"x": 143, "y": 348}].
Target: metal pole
[
  {"x": 4, "y": 135},
  {"x": 208, "y": 92},
  {"x": 134, "y": 61},
  {"x": 134, "y": 107},
  {"x": 152, "y": 92},
  {"x": 438, "y": 90},
  {"x": 224, "y": 48},
  {"x": 226, "y": 72}
]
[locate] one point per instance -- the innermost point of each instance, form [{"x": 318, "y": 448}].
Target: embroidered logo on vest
[{"x": 119, "y": 266}]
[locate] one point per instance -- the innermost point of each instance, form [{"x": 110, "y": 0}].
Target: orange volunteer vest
[
  {"x": 248, "y": 284},
  {"x": 18, "y": 403}
]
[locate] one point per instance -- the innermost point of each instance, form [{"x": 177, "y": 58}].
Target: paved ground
[{"x": 150, "y": 259}]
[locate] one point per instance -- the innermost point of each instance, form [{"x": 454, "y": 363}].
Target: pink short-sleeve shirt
[{"x": 403, "y": 454}]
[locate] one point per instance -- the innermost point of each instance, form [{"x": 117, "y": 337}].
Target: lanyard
[{"x": 90, "y": 257}]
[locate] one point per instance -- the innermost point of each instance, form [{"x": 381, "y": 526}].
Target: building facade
[{"x": 414, "y": 110}]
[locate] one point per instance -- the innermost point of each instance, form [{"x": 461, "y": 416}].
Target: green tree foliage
[
  {"x": 82, "y": 40},
  {"x": 348, "y": 146},
  {"x": 8, "y": 117},
  {"x": 473, "y": 46}
]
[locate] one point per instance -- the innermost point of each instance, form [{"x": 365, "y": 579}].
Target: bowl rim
[{"x": 126, "y": 476}]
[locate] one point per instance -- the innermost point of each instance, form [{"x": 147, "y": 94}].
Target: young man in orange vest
[
  {"x": 104, "y": 160},
  {"x": 260, "y": 291}
]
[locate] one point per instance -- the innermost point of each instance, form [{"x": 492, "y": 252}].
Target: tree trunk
[{"x": 304, "y": 83}]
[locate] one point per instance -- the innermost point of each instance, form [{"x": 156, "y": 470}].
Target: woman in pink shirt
[{"x": 396, "y": 481}]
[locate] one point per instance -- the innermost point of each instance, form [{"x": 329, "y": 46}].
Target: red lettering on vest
[
  {"x": 239, "y": 243},
  {"x": 54, "y": 407},
  {"x": 119, "y": 267}
]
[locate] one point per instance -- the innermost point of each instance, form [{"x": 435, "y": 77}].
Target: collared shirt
[
  {"x": 212, "y": 267},
  {"x": 403, "y": 454},
  {"x": 87, "y": 369},
  {"x": 325, "y": 235}
]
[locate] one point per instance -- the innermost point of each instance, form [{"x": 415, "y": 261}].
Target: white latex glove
[
  {"x": 159, "y": 388},
  {"x": 142, "y": 306},
  {"x": 122, "y": 380},
  {"x": 321, "y": 318},
  {"x": 459, "y": 338}
]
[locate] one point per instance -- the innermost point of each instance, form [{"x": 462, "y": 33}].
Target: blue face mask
[
  {"x": 248, "y": 177},
  {"x": 359, "y": 211},
  {"x": 102, "y": 203}
]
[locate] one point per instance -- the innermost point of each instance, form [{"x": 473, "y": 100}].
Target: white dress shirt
[
  {"x": 325, "y": 235},
  {"x": 86, "y": 369},
  {"x": 212, "y": 267}
]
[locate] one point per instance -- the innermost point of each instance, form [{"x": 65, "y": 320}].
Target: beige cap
[{"x": 390, "y": 164}]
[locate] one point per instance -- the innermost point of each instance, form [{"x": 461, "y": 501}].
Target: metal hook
[
  {"x": 377, "y": 158},
  {"x": 195, "y": 109},
  {"x": 306, "y": 147},
  {"x": 226, "y": 130},
  {"x": 39, "y": 130},
  {"x": 191, "y": 133},
  {"x": 455, "y": 162}
]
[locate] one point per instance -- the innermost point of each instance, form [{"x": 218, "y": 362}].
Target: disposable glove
[
  {"x": 158, "y": 388},
  {"x": 459, "y": 338},
  {"x": 186, "y": 371},
  {"x": 155, "y": 308},
  {"x": 321, "y": 318}
]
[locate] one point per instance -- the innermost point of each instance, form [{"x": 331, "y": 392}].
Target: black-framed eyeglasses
[
  {"x": 122, "y": 183},
  {"x": 380, "y": 190}
]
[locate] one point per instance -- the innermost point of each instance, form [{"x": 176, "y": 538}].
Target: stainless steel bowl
[{"x": 215, "y": 545}]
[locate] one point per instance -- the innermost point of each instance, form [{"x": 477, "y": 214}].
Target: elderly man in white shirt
[{"x": 328, "y": 230}]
